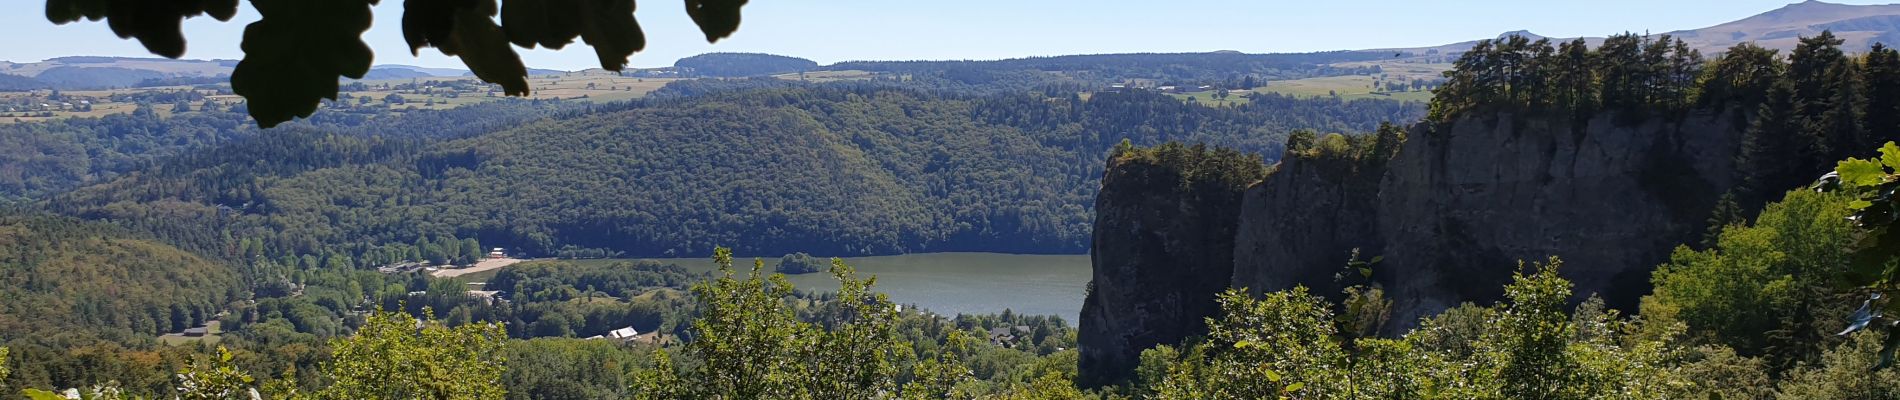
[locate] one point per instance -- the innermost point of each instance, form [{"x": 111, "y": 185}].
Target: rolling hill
[
  {"x": 837, "y": 168},
  {"x": 68, "y": 274}
]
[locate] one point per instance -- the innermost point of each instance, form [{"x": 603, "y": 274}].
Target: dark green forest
[
  {"x": 828, "y": 169},
  {"x": 40, "y": 159}
]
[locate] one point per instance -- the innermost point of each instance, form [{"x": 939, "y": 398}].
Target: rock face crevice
[
  {"x": 1163, "y": 247},
  {"x": 1452, "y": 213}
]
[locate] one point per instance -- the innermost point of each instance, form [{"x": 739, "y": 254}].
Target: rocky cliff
[
  {"x": 1461, "y": 204},
  {"x": 1299, "y": 225},
  {"x": 1451, "y": 213},
  {"x": 1163, "y": 246}
]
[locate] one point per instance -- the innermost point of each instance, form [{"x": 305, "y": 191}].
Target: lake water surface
[{"x": 952, "y": 283}]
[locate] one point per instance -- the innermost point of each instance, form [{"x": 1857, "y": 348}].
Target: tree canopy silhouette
[{"x": 294, "y": 53}]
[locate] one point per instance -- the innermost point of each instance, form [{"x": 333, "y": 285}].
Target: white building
[{"x": 624, "y": 334}]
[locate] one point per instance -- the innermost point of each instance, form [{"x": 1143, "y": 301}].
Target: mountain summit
[{"x": 1859, "y": 26}]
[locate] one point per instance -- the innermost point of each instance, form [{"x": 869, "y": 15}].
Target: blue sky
[{"x": 839, "y": 30}]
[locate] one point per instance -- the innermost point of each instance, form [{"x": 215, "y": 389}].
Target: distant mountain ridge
[
  {"x": 98, "y": 72},
  {"x": 1859, "y": 26}
]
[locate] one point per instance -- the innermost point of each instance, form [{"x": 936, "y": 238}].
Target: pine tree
[
  {"x": 1881, "y": 77},
  {"x": 1727, "y": 212},
  {"x": 1773, "y": 148},
  {"x": 1742, "y": 77},
  {"x": 1825, "y": 83}
]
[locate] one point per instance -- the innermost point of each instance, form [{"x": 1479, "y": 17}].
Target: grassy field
[
  {"x": 1207, "y": 98},
  {"x": 1346, "y": 87},
  {"x": 212, "y": 328},
  {"x": 828, "y": 76},
  {"x": 1405, "y": 69}
]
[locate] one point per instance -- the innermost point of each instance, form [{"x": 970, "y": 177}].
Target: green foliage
[
  {"x": 1199, "y": 164},
  {"x": 1529, "y": 347},
  {"x": 1741, "y": 75},
  {"x": 396, "y": 356},
  {"x": 750, "y": 344},
  {"x": 217, "y": 379},
  {"x": 1762, "y": 289},
  {"x": 936, "y": 377},
  {"x": 544, "y": 281},
  {"x": 1850, "y": 371},
  {"x": 1273, "y": 347},
  {"x": 1365, "y": 308},
  {"x": 1301, "y": 141},
  {"x": 569, "y": 369},
  {"x": 1876, "y": 209}
]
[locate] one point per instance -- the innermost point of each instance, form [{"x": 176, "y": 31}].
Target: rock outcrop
[
  {"x": 1451, "y": 213},
  {"x": 1163, "y": 246}
]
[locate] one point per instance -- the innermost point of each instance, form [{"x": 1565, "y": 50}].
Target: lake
[{"x": 952, "y": 283}]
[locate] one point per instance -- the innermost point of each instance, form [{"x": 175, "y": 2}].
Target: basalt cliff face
[
  {"x": 1300, "y": 225},
  {"x": 1459, "y": 207},
  {"x": 1163, "y": 246},
  {"x": 1452, "y": 214}
]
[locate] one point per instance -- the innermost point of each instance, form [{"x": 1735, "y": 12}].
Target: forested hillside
[
  {"x": 16, "y": 83},
  {"x": 830, "y": 169},
  {"x": 67, "y": 274},
  {"x": 44, "y": 158},
  {"x": 83, "y": 300}
]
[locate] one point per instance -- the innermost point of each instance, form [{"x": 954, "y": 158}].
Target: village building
[
  {"x": 624, "y": 334},
  {"x": 1006, "y": 335}
]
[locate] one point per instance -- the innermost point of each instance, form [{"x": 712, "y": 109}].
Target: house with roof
[
  {"x": 1007, "y": 335},
  {"x": 624, "y": 334}
]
